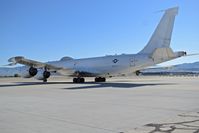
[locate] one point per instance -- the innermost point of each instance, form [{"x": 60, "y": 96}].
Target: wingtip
[
  {"x": 194, "y": 54},
  {"x": 14, "y": 59},
  {"x": 11, "y": 64}
]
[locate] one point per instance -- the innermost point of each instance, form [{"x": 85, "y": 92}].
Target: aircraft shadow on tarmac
[
  {"x": 86, "y": 85},
  {"x": 92, "y": 85}
]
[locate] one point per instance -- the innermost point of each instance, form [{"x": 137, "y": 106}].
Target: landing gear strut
[
  {"x": 100, "y": 79},
  {"x": 78, "y": 80},
  {"x": 46, "y": 74}
]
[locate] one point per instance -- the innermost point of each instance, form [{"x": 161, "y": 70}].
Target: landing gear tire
[
  {"x": 82, "y": 80},
  {"x": 74, "y": 80},
  {"x": 44, "y": 80},
  {"x": 78, "y": 80},
  {"x": 100, "y": 79}
]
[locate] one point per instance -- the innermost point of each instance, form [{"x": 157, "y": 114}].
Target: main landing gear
[
  {"x": 45, "y": 80},
  {"x": 82, "y": 80},
  {"x": 100, "y": 79},
  {"x": 78, "y": 80}
]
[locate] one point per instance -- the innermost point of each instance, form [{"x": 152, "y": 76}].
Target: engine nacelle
[
  {"x": 42, "y": 75},
  {"x": 28, "y": 72}
]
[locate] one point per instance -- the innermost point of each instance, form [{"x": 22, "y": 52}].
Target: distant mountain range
[
  {"x": 183, "y": 68},
  {"x": 186, "y": 67},
  {"x": 5, "y": 71}
]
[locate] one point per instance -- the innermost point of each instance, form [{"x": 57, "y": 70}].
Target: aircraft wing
[{"x": 32, "y": 63}]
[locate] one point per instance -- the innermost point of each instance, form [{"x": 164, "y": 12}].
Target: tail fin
[{"x": 161, "y": 37}]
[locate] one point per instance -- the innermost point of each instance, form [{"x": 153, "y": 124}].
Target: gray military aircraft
[{"x": 156, "y": 51}]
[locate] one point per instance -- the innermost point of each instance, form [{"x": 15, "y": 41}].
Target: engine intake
[
  {"x": 42, "y": 75},
  {"x": 32, "y": 71},
  {"x": 28, "y": 72},
  {"x": 46, "y": 74}
]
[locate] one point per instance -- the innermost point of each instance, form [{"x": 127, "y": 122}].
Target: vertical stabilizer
[{"x": 161, "y": 37}]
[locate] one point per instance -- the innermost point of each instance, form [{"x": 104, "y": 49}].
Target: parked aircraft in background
[{"x": 156, "y": 51}]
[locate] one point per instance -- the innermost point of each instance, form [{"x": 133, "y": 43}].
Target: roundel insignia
[{"x": 115, "y": 60}]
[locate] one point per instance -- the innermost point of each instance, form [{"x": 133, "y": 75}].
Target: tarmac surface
[{"x": 121, "y": 105}]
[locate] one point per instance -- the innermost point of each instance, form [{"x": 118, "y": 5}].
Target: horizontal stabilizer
[{"x": 162, "y": 54}]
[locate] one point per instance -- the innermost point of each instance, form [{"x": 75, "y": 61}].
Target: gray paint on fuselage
[{"x": 106, "y": 65}]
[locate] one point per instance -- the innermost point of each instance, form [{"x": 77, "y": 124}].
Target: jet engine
[
  {"x": 28, "y": 72},
  {"x": 42, "y": 75}
]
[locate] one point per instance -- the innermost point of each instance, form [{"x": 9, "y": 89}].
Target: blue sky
[{"x": 50, "y": 29}]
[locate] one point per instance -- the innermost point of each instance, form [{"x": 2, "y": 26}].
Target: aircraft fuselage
[{"x": 107, "y": 66}]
